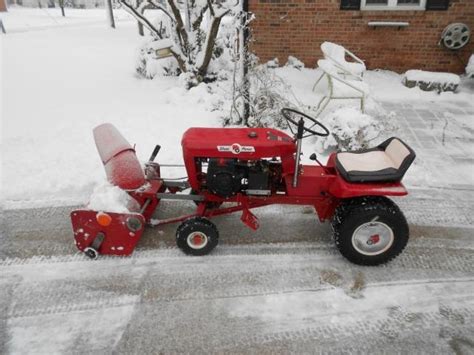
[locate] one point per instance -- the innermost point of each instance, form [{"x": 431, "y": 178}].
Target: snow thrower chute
[
  {"x": 238, "y": 169},
  {"x": 120, "y": 162}
]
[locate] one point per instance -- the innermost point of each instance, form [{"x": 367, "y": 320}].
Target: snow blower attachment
[
  {"x": 118, "y": 233},
  {"x": 246, "y": 168}
]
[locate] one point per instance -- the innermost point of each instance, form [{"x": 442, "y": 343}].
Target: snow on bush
[
  {"x": 149, "y": 66},
  {"x": 110, "y": 198},
  {"x": 274, "y": 63},
  {"x": 350, "y": 129},
  {"x": 268, "y": 94},
  {"x": 470, "y": 67},
  {"x": 201, "y": 35},
  {"x": 294, "y": 62}
]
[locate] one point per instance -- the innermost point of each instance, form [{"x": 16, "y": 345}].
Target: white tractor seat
[{"x": 386, "y": 163}]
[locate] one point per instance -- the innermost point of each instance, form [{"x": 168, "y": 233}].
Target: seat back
[
  {"x": 333, "y": 51},
  {"x": 397, "y": 152},
  {"x": 337, "y": 54}
]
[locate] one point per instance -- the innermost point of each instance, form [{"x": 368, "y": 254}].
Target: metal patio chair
[{"x": 332, "y": 73}]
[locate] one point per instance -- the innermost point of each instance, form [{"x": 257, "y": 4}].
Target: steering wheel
[{"x": 287, "y": 113}]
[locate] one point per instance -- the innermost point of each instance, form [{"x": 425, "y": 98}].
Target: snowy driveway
[{"x": 263, "y": 292}]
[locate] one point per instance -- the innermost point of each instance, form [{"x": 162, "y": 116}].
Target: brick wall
[
  {"x": 3, "y": 6},
  {"x": 298, "y": 27}
]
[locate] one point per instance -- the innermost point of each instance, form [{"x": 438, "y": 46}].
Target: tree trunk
[
  {"x": 110, "y": 13},
  {"x": 211, "y": 41}
]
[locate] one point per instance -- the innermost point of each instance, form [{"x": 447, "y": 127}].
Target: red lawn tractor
[{"x": 239, "y": 169}]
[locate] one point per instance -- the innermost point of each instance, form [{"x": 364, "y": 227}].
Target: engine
[{"x": 227, "y": 177}]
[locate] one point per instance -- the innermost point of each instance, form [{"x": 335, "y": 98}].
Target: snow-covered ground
[{"x": 60, "y": 82}]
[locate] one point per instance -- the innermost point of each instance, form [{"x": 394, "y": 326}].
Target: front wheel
[
  {"x": 197, "y": 236},
  {"x": 370, "y": 230}
]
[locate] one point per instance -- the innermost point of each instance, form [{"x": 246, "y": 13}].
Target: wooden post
[
  {"x": 110, "y": 13},
  {"x": 61, "y": 5}
]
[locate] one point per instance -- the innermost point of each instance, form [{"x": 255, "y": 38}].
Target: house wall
[{"x": 298, "y": 27}]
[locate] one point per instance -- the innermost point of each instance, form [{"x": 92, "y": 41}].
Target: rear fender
[{"x": 340, "y": 188}]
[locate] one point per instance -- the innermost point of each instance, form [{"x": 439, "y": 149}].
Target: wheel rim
[
  {"x": 456, "y": 36},
  {"x": 197, "y": 240},
  {"x": 372, "y": 238}
]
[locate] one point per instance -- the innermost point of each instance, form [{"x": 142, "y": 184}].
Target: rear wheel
[
  {"x": 370, "y": 230},
  {"x": 197, "y": 236}
]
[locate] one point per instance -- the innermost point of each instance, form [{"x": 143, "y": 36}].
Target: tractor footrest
[{"x": 249, "y": 219}]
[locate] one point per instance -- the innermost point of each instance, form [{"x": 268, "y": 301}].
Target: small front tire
[
  {"x": 197, "y": 236},
  {"x": 370, "y": 230}
]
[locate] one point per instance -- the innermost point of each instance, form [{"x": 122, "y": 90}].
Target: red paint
[
  {"x": 119, "y": 240},
  {"x": 121, "y": 164},
  {"x": 374, "y": 239}
]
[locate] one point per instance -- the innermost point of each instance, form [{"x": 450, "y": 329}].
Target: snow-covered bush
[
  {"x": 274, "y": 63},
  {"x": 148, "y": 65},
  {"x": 351, "y": 129},
  {"x": 199, "y": 32},
  {"x": 470, "y": 67},
  {"x": 294, "y": 62},
  {"x": 267, "y": 94}
]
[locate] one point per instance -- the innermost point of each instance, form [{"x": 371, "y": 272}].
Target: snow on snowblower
[{"x": 246, "y": 168}]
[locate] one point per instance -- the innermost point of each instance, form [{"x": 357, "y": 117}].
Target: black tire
[
  {"x": 356, "y": 224},
  {"x": 209, "y": 205},
  {"x": 197, "y": 227}
]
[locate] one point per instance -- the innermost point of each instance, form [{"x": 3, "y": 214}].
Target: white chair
[
  {"x": 337, "y": 54},
  {"x": 340, "y": 87}
]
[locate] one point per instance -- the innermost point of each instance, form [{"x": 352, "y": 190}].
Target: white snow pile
[
  {"x": 107, "y": 197},
  {"x": 294, "y": 62},
  {"x": 470, "y": 67},
  {"x": 274, "y": 63},
  {"x": 350, "y": 130}
]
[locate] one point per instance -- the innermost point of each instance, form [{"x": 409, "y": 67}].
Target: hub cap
[
  {"x": 372, "y": 238},
  {"x": 197, "y": 240}
]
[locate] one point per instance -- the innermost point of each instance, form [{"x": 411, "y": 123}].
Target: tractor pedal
[{"x": 249, "y": 219}]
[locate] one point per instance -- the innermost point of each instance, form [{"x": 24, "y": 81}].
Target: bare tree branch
[
  {"x": 198, "y": 21},
  {"x": 158, "y": 6},
  {"x": 211, "y": 8},
  {"x": 144, "y": 21},
  {"x": 210, "y": 42},
  {"x": 141, "y": 18},
  {"x": 180, "y": 28}
]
